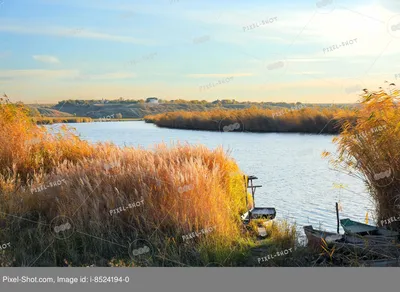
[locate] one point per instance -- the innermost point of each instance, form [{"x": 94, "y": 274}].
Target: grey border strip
[{"x": 210, "y": 279}]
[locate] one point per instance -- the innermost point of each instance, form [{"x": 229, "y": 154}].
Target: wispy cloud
[
  {"x": 308, "y": 60},
  {"x": 111, "y": 76},
  {"x": 301, "y": 27},
  {"x": 219, "y": 75},
  {"x": 62, "y": 75},
  {"x": 72, "y": 32},
  {"x": 46, "y": 59},
  {"x": 306, "y": 73},
  {"x": 38, "y": 73}
]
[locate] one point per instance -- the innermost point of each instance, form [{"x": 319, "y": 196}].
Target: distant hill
[
  {"x": 52, "y": 113},
  {"x": 139, "y": 108},
  {"x": 47, "y": 111},
  {"x": 132, "y": 110}
]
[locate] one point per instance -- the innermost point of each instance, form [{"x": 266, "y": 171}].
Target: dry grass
[
  {"x": 53, "y": 120},
  {"x": 30, "y": 157},
  {"x": 184, "y": 189},
  {"x": 302, "y": 120},
  {"x": 368, "y": 150}
]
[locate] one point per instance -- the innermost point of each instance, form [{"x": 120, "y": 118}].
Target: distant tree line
[{"x": 80, "y": 102}]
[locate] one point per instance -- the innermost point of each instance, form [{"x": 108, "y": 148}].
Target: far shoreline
[
  {"x": 46, "y": 122},
  {"x": 78, "y": 120}
]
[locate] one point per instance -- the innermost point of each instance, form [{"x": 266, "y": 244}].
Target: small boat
[
  {"x": 370, "y": 242},
  {"x": 267, "y": 213},
  {"x": 315, "y": 236},
  {"x": 260, "y": 213},
  {"x": 354, "y": 227},
  {"x": 370, "y": 237}
]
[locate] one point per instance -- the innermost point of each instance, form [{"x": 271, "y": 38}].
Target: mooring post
[
  {"x": 245, "y": 191},
  {"x": 337, "y": 216}
]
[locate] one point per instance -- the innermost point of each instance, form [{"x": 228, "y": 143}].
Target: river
[{"x": 295, "y": 179}]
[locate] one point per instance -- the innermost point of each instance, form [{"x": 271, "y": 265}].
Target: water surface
[{"x": 295, "y": 179}]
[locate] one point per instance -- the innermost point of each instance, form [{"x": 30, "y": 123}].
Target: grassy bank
[
  {"x": 67, "y": 120},
  {"x": 294, "y": 120},
  {"x": 56, "y": 120},
  {"x": 64, "y": 201}
]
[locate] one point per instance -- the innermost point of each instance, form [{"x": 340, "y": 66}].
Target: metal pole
[
  {"x": 337, "y": 217},
  {"x": 252, "y": 193},
  {"x": 245, "y": 191}
]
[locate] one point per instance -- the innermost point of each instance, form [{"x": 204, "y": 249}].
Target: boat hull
[
  {"x": 354, "y": 227},
  {"x": 377, "y": 244},
  {"x": 259, "y": 213},
  {"x": 314, "y": 236}
]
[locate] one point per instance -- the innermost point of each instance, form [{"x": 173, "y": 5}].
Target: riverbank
[
  {"x": 67, "y": 202},
  {"x": 293, "y": 120},
  {"x": 62, "y": 189},
  {"x": 68, "y": 120}
]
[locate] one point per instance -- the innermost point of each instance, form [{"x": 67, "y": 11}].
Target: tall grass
[
  {"x": 53, "y": 120},
  {"x": 301, "y": 120},
  {"x": 102, "y": 177},
  {"x": 369, "y": 150}
]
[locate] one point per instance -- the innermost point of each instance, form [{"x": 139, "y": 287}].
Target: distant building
[{"x": 152, "y": 100}]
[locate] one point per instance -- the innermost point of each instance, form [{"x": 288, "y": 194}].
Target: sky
[{"x": 322, "y": 51}]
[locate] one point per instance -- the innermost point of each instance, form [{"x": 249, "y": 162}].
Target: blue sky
[{"x": 56, "y": 49}]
